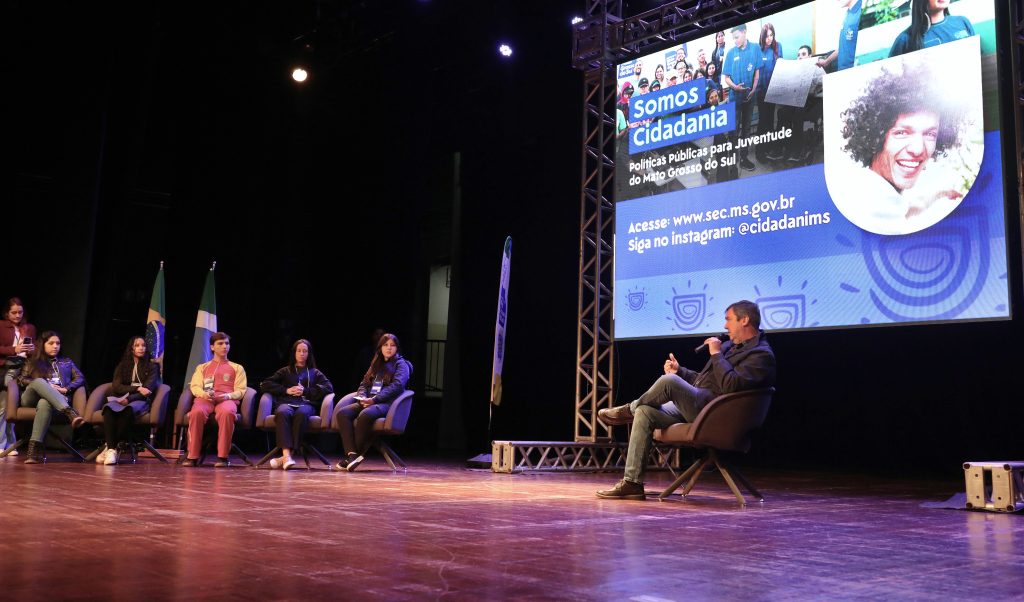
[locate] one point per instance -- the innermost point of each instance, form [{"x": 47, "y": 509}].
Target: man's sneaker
[
  {"x": 112, "y": 457},
  {"x": 221, "y": 463},
  {"x": 747, "y": 164},
  {"x": 617, "y": 415},
  {"x": 624, "y": 490}
]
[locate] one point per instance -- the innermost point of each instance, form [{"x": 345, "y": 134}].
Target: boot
[
  {"x": 73, "y": 417},
  {"x": 34, "y": 453}
]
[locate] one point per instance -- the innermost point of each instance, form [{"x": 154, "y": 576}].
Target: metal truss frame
[
  {"x": 601, "y": 40},
  {"x": 562, "y": 456}
]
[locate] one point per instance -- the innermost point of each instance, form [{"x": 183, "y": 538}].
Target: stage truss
[
  {"x": 562, "y": 456},
  {"x": 601, "y": 40}
]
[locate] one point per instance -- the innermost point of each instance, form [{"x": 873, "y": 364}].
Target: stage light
[
  {"x": 576, "y": 20},
  {"x": 299, "y": 74},
  {"x": 505, "y": 50}
]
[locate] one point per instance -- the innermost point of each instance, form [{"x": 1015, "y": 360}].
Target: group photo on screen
[{"x": 849, "y": 149}]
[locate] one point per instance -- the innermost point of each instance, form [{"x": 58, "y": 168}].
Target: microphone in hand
[{"x": 704, "y": 346}]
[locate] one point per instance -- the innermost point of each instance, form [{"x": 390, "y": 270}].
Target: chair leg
[
  {"x": 266, "y": 458},
  {"x": 679, "y": 480},
  {"x": 67, "y": 446},
  {"x": 742, "y": 479},
  {"x": 316, "y": 451},
  {"x": 16, "y": 445},
  {"x": 152, "y": 450},
  {"x": 92, "y": 455},
  {"x": 241, "y": 454},
  {"x": 731, "y": 483},
  {"x": 696, "y": 475},
  {"x": 391, "y": 457}
]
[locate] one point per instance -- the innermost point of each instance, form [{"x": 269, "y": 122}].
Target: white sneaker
[
  {"x": 111, "y": 457},
  {"x": 277, "y": 462},
  {"x": 102, "y": 455},
  {"x": 288, "y": 464},
  {"x": 14, "y": 452}
]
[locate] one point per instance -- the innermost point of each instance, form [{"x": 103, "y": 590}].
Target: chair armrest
[
  {"x": 79, "y": 399},
  {"x": 96, "y": 400},
  {"x": 263, "y": 410},
  {"x": 347, "y": 400},
  {"x": 158, "y": 409},
  {"x": 185, "y": 402},
  {"x": 247, "y": 408},
  {"x": 398, "y": 413},
  {"x": 326, "y": 411},
  {"x": 13, "y": 399}
]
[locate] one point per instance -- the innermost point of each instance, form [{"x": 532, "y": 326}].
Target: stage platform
[{"x": 163, "y": 532}]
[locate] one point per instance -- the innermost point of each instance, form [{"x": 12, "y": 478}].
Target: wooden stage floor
[{"x": 156, "y": 532}]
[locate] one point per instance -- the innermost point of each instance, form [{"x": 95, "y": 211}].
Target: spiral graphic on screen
[
  {"x": 688, "y": 311},
  {"x": 636, "y": 299},
  {"x": 784, "y": 311},
  {"x": 934, "y": 275}
]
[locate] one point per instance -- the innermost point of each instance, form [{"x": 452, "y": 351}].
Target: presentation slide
[{"x": 838, "y": 163}]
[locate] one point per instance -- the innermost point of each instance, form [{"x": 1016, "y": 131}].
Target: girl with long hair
[
  {"x": 136, "y": 379},
  {"x": 931, "y": 25},
  {"x": 48, "y": 380},
  {"x": 383, "y": 382},
  {"x": 16, "y": 344},
  {"x": 298, "y": 390}
]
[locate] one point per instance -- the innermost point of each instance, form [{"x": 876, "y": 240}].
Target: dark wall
[{"x": 180, "y": 139}]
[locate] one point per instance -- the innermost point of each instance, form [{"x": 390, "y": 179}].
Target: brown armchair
[
  {"x": 724, "y": 424},
  {"x": 267, "y": 421},
  {"x": 392, "y": 424},
  {"x": 243, "y": 421},
  {"x": 16, "y": 413},
  {"x": 153, "y": 419}
]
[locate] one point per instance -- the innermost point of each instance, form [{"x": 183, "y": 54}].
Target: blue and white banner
[{"x": 500, "y": 323}]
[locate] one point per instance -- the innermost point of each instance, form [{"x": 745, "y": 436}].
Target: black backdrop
[{"x": 180, "y": 138}]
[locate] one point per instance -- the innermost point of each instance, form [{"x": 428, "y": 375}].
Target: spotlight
[
  {"x": 576, "y": 20},
  {"x": 299, "y": 74},
  {"x": 505, "y": 50}
]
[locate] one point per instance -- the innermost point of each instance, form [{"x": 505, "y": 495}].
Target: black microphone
[{"x": 704, "y": 346}]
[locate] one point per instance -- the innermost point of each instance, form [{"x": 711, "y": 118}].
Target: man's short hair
[
  {"x": 809, "y": 51},
  {"x": 746, "y": 309},
  {"x": 741, "y": 27},
  {"x": 870, "y": 117},
  {"x": 218, "y": 336}
]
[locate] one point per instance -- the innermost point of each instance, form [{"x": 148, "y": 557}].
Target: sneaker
[
  {"x": 277, "y": 463},
  {"x": 189, "y": 462},
  {"x": 617, "y": 415},
  {"x": 344, "y": 461},
  {"x": 624, "y": 490},
  {"x": 354, "y": 463},
  {"x": 221, "y": 463},
  {"x": 774, "y": 155},
  {"x": 288, "y": 464},
  {"x": 13, "y": 452},
  {"x": 102, "y": 456},
  {"x": 747, "y": 164},
  {"x": 112, "y": 457}
]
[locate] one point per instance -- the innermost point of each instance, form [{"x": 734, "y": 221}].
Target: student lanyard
[{"x": 306, "y": 386}]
